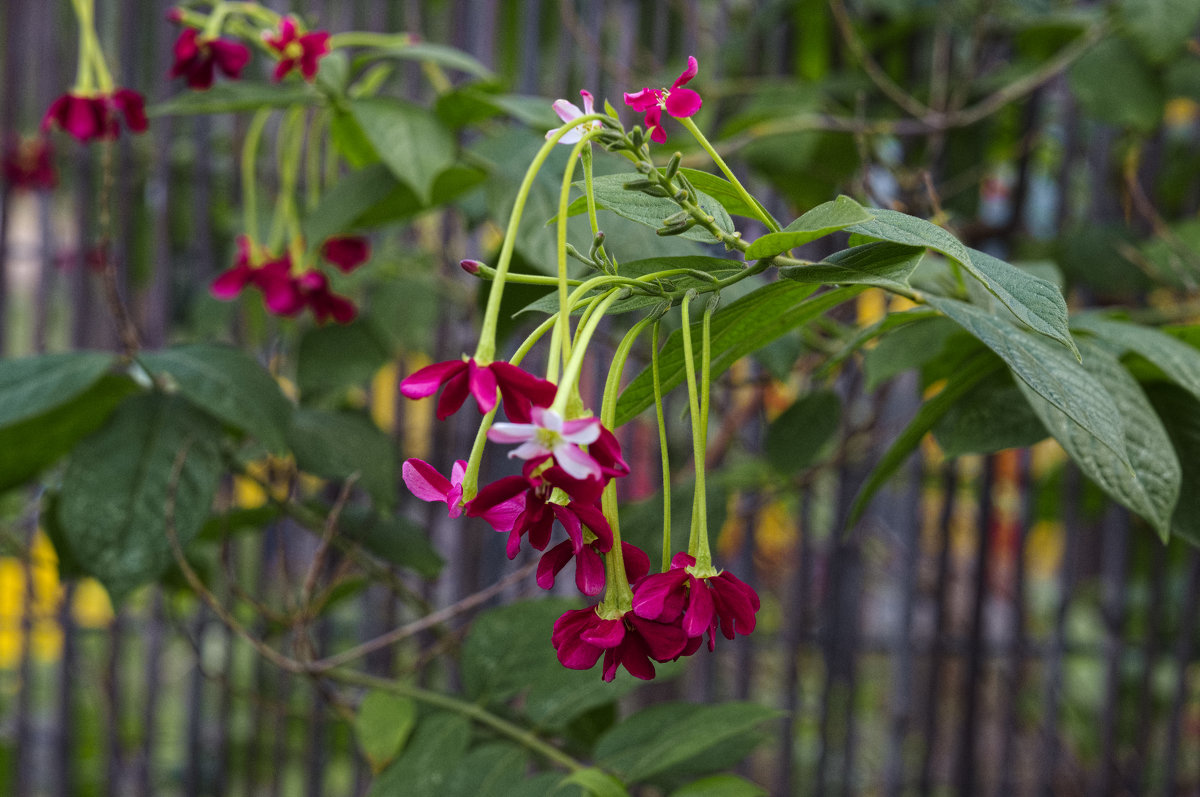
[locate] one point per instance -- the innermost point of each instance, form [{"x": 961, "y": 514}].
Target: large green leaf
[
  {"x": 118, "y": 485},
  {"x": 383, "y": 724},
  {"x": 1151, "y": 486},
  {"x": 1179, "y": 361},
  {"x": 596, "y": 783},
  {"x": 971, "y": 373},
  {"x": 1035, "y": 301},
  {"x": 1114, "y": 83},
  {"x": 31, "y": 386},
  {"x": 430, "y": 760},
  {"x": 337, "y": 444},
  {"x": 491, "y": 770},
  {"x": 1160, "y": 28},
  {"x": 470, "y": 105},
  {"x": 825, "y": 219},
  {"x": 28, "y": 446},
  {"x": 680, "y": 737},
  {"x": 410, "y": 140},
  {"x": 720, "y": 786},
  {"x": 802, "y": 435},
  {"x": 882, "y": 264},
  {"x": 338, "y": 356},
  {"x": 348, "y": 199},
  {"x": 991, "y": 416},
  {"x": 906, "y": 348},
  {"x": 393, "y": 538},
  {"x": 240, "y": 96},
  {"x": 723, "y": 191},
  {"x": 228, "y": 384},
  {"x": 1179, "y": 412},
  {"x": 611, "y": 195},
  {"x": 431, "y": 53},
  {"x": 1046, "y": 369},
  {"x": 738, "y": 329}
]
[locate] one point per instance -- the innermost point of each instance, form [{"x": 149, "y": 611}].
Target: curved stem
[
  {"x": 560, "y": 344},
  {"x": 699, "y": 519},
  {"x": 485, "y": 352},
  {"x": 249, "y": 177},
  {"x": 470, "y": 481},
  {"x": 590, "y": 198},
  {"x": 703, "y": 554},
  {"x": 662, "y": 447},
  {"x": 571, "y": 372},
  {"x": 759, "y": 211}
]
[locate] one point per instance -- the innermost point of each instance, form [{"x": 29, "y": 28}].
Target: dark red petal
[
  {"x": 607, "y": 451},
  {"x": 347, "y": 252},
  {"x": 230, "y": 56},
  {"x": 229, "y": 283},
  {"x": 604, "y": 633},
  {"x": 552, "y": 562},
  {"x": 453, "y": 395},
  {"x": 664, "y": 641},
  {"x": 133, "y": 106},
  {"x": 427, "y": 380},
  {"x": 589, "y": 571},
  {"x": 634, "y": 655},
  {"x": 699, "y": 614},
  {"x": 496, "y": 493},
  {"x": 637, "y": 563},
  {"x": 483, "y": 386},
  {"x": 541, "y": 525},
  {"x": 682, "y": 560},
  {"x": 660, "y": 596},
  {"x": 592, "y": 517}
]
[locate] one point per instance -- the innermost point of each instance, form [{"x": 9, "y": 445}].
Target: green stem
[
  {"x": 703, "y": 554},
  {"x": 662, "y": 447},
  {"x": 291, "y": 139},
  {"x": 699, "y": 518},
  {"x": 472, "y": 711},
  {"x": 590, "y": 198},
  {"x": 249, "y": 173},
  {"x": 575, "y": 365},
  {"x": 312, "y": 162},
  {"x": 763, "y": 216},
  {"x": 485, "y": 352},
  {"x": 470, "y": 482},
  {"x": 560, "y": 344},
  {"x": 369, "y": 39}
]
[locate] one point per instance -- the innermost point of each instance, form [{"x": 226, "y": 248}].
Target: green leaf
[
  {"x": 28, "y": 446},
  {"x": 719, "y": 267},
  {"x": 409, "y": 139},
  {"x": 335, "y": 445},
  {"x": 611, "y": 195},
  {"x": 393, "y": 538},
  {"x": 229, "y": 385},
  {"x": 402, "y": 203},
  {"x": 342, "y": 205},
  {"x": 506, "y": 655},
  {"x": 1160, "y": 28},
  {"x": 596, "y": 782},
  {"x": 1179, "y": 361},
  {"x": 348, "y": 139},
  {"x": 802, "y": 434},
  {"x": 885, "y": 265},
  {"x": 1036, "y": 302},
  {"x": 491, "y": 770},
  {"x": 382, "y": 725},
  {"x": 118, "y": 483},
  {"x": 469, "y": 105},
  {"x": 737, "y": 330},
  {"x": 239, "y": 96},
  {"x": 31, "y": 386},
  {"x": 428, "y": 52},
  {"x": 338, "y": 356},
  {"x": 1148, "y": 481},
  {"x": 667, "y": 736},
  {"x": 1114, "y": 83},
  {"x": 991, "y": 416},
  {"x": 1046, "y": 369},
  {"x": 825, "y": 219},
  {"x": 906, "y": 348},
  {"x": 720, "y": 786},
  {"x": 1179, "y": 412},
  {"x": 724, "y": 192},
  {"x": 966, "y": 377},
  {"x": 429, "y": 762}
]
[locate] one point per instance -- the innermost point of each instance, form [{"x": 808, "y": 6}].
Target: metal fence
[{"x": 991, "y": 626}]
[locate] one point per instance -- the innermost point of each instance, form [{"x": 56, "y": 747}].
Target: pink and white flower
[
  {"x": 549, "y": 435},
  {"x": 569, "y": 112}
]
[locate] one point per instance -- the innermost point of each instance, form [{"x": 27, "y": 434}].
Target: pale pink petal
[
  {"x": 547, "y": 419},
  {"x": 457, "y": 471},
  {"x": 576, "y": 462},
  {"x": 589, "y": 105},
  {"x": 581, "y": 431},
  {"x": 683, "y": 102},
  {"x": 566, "y": 110},
  {"x": 423, "y": 480},
  {"x": 505, "y": 432},
  {"x": 528, "y": 450},
  {"x": 571, "y": 137}
]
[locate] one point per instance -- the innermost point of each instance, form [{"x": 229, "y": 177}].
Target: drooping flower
[
  {"x": 29, "y": 164},
  {"x": 677, "y": 101},
  {"x": 197, "y": 57},
  {"x": 589, "y": 566},
  {"x": 519, "y": 389},
  {"x": 699, "y": 604},
  {"x": 303, "y": 50},
  {"x": 537, "y": 489},
  {"x": 313, "y": 287},
  {"x": 581, "y": 635},
  {"x": 229, "y": 283},
  {"x": 569, "y": 112},
  {"x": 427, "y": 484},
  {"x": 548, "y": 433},
  {"x": 95, "y": 116},
  {"x": 346, "y": 252}
]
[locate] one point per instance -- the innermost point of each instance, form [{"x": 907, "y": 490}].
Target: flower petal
[
  {"x": 576, "y": 462},
  {"x": 426, "y": 381},
  {"x": 688, "y": 73},
  {"x": 483, "y": 386},
  {"x": 643, "y": 100},
  {"x": 589, "y": 571},
  {"x": 581, "y": 431},
  {"x": 503, "y": 432},
  {"x": 453, "y": 396},
  {"x": 552, "y": 562},
  {"x": 699, "y": 614},
  {"x": 424, "y": 481},
  {"x": 683, "y": 102},
  {"x": 566, "y": 110},
  {"x": 637, "y": 563}
]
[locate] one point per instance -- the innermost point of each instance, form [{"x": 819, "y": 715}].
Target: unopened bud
[
  {"x": 677, "y": 218},
  {"x": 676, "y": 229},
  {"x": 673, "y": 165},
  {"x": 645, "y": 167},
  {"x": 471, "y": 266}
]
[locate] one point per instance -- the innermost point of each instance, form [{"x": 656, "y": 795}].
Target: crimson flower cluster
[
  {"x": 95, "y": 116},
  {"x": 287, "y": 293},
  {"x": 198, "y": 57},
  {"x": 29, "y": 164}
]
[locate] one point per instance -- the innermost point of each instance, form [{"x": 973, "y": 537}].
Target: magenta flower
[
  {"x": 95, "y": 117},
  {"x": 346, "y": 252},
  {"x": 697, "y": 604},
  {"x": 197, "y": 58},
  {"x": 548, "y": 434},
  {"x": 628, "y": 641},
  {"x": 519, "y": 389},
  {"x": 313, "y": 287},
  {"x": 677, "y": 101},
  {"x": 29, "y": 164},
  {"x": 303, "y": 50},
  {"x": 589, "y": 566},
  {"x": 427, "y": 484},
  {"x": 539, "y": 513},
  {"x": 229, "y": 283},
  {"x": 569, "y": 112}
]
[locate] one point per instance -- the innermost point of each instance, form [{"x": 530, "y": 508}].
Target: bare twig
[
  {"x": 126, "y": 329},
  {"x": 327, "y": 534}
]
